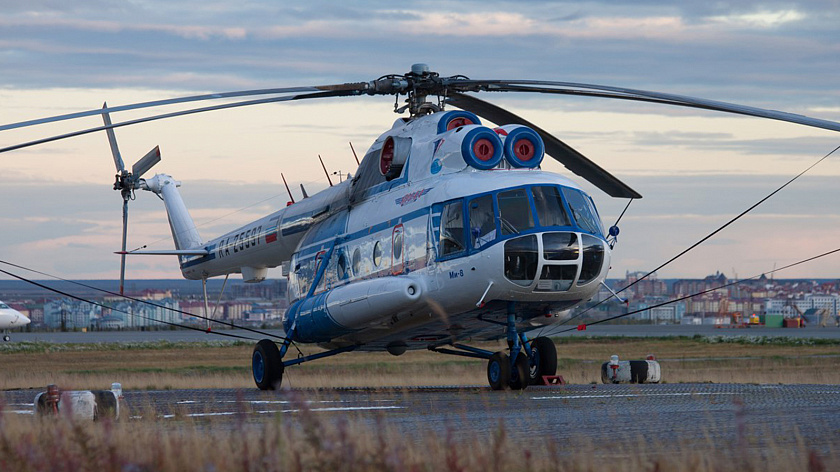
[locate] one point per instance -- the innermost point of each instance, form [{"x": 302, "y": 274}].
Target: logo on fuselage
[{"x": 412, "y": 197}]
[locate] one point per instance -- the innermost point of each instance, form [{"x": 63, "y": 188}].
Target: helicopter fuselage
[{"x": 440, "y": 248}]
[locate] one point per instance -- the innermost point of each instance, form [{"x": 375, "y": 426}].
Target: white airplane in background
[{"x": 10, "y": 319}]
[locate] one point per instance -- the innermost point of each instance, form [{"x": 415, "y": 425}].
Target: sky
[{"x": 696, "y": 169}]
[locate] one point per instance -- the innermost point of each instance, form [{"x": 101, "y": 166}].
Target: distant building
[
  {"x": 68, "y": 313},
  {"x": 650, "y": 286},
  {"x": 684, "y": 287},
  {"x": 142, "y": 315}
]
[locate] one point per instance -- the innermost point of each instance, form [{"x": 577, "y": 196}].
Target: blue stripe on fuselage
[{"x": 201, "y": 259}]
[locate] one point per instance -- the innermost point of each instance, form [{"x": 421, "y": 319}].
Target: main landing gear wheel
[
  {"x": 544, "y": 354},
  {"x": 267, "y": 365},
  {"x": 519, "y": 378},
  {"x": 498, "y": 371}
]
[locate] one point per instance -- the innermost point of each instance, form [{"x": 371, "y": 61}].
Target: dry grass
[
  {"x": 153, "y": 366},
  {"x": 307, "y": 441}
]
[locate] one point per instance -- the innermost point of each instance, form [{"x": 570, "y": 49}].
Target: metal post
[
  {"x": 124, "y": 235},
  {"x": 512, "y": 337}
]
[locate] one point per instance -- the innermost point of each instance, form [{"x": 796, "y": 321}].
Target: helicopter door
[
  {"x": 319, "y": 258},
  {"x": 398, "y": 250}
]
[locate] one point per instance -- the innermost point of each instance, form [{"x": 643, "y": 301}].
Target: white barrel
[
  {"x": 81, "y": 404},
  {"x": 617, "y": 371}
]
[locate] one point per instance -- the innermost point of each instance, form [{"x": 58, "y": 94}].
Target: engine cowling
[
  {"x": 477, "y": 146},
  {"x": 523, "y": 147}
]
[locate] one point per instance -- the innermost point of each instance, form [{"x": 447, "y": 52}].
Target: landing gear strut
[
  {"x": 268, "y": 366},
  {"x": 526, "y": 364}
]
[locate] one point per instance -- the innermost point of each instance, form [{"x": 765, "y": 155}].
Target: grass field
[
  {"x": 316, "y": 443},
  {"x": 227, "y": 365}
]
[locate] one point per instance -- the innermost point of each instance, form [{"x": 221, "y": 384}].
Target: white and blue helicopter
[{"x": 448, "y": 233}]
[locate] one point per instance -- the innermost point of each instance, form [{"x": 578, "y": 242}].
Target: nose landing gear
[{"x": 526, "y": 365}]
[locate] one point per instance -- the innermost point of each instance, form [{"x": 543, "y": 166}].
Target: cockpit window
[
  {"x": 3, "y": 306},
  {"x": 549, "y": 204},
  {"x": 452, "y": 228},
  {"x": 515, "y": 211},
  {"x": 583, "y": 211},
  {"x": 482, "y": 223}
]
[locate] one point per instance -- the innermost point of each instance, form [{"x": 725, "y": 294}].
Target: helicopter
[{"x": 448, "y": 233}]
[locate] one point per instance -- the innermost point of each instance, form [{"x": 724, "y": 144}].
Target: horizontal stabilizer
[{"x": 170, "y": 252}]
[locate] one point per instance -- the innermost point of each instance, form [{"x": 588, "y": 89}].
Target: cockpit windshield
[
  {"x": 583, "y": 211},
  {"x": 473, "y": 223},
  {"x": 515, "y": 211},
  {"x": 549, "y": 206}
]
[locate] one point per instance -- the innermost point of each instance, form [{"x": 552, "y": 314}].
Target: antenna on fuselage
[
  {"x": 354, "y": 154},
  {"x": 325, "y": 170},
  {"x": 291, "y": 197},
  {"x": 303, "y": 190}
]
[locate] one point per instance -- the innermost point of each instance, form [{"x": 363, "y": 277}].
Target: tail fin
[{"x": 181, "y": 223}]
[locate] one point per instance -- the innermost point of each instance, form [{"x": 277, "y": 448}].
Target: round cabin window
[
  {"x": 377, "y": 254},
  {"x": 357, "y": 261},
  {"x": 398, "y": 246},
  {"x": 342, "y": 266}
]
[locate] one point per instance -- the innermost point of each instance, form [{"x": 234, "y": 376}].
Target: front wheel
[
  {"x": 543, "y": 359},
  {"x": 519, "y": 378},
  {"x": 267, "y": 365},
  {"x": 498, "y": 371},
  {"x": 7, "y": 338}
]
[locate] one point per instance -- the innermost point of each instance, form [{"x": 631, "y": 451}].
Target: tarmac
[{"x": 624, "y": 415}]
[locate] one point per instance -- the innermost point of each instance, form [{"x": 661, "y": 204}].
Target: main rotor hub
[{"x": 417, "y": 84}]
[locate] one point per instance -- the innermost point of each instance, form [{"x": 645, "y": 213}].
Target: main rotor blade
[
  {"x": 335, "y": 93},
  {"x": 571, "y": 88},
  {"x": 193, "y": 98},
  {"x": 562, "y": 152},
  {"x": 112, "y": 140}
]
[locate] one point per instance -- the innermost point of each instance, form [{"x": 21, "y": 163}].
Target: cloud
[{"x": 695, "y": 168}]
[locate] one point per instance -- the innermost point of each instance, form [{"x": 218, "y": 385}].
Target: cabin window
[
  {"x": 482, "y": 223},
  {"x": 593, "y": 258},
  {"x": 377, "y": 254},
  {"x": 521, "y": 258},
  {"x": 397, "y": 250},
  {"x": 341, "y": 266},
  {"x": 452, "y": 228},
  {"x": 357, "y": 261},
  {"x": 515, "y": 211},
  {"x": 583, "y": 211},
  {"x": 560, "y": 247},
  {"x": 556, "y": 278},
  {"x": 549, "y": 205},
  {"x": 398, "y": 245}
]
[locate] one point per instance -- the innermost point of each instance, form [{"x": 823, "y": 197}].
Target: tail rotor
[{"x": 126, "y": 182}]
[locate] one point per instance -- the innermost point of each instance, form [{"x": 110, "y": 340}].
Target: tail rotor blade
[
  {"x": 112, "y": 139},
  {"x": 146, "y": 162}
]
